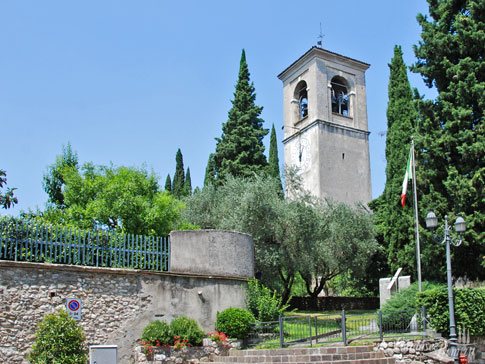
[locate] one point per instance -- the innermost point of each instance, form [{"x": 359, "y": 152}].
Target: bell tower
[{"x": 325, "y": 125}]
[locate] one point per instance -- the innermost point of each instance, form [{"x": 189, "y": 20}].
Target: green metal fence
[
  {"x": 29, "y": 242},
  {"x": 341, "y": 327}
]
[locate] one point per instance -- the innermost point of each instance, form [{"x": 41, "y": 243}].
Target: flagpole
[{"x": 418, "y": 252}]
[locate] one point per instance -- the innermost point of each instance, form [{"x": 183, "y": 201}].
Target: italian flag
[{"x": 407, "y": 177}]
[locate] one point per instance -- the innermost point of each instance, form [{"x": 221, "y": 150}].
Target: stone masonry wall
[{"x": 116, "y": 304}]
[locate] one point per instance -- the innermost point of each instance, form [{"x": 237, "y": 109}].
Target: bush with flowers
[
  {"x": 218, "y": 337},
  {"x": 180, "y": 343}
]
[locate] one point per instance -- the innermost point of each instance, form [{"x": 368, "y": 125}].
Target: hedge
[{"x": 469, "y": 309}]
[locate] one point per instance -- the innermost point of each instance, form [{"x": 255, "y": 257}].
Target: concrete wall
[
  {"x": 212, "y": 252},
  {"x": 118, "y": 303}
]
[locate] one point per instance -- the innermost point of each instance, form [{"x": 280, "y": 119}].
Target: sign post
[{"x": 73, "y": 307}]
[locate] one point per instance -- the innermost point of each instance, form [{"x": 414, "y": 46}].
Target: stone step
[
  {"x": 327, "y": 355},
  {"x": 305, "y": 357},
  {"x": 303, "y": 360},
  {"x": 305, "y": 351}
]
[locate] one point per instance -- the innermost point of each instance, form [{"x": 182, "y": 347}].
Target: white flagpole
[{"x": 418, "y": 252}]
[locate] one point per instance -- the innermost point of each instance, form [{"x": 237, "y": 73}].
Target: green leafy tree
[
  {"x": 451, "y": 132},
  {"x": 116, "y": 198},
  {"x": 345, "y": 242},
  {"x": 187, "y": 184},
  {"x": 179, "y": 176},
  {"x": 168, "y": 184},
  {"x": 274, "y": 163},
  {"x": 7, "y": 198},
  {"x": 240, "y": 149},
  {"x": 287, "y": 233},
  {"x": 395, "y": 224},
  {"x": 59, "y": 339},
  {"x": 53, "y": 180},
  {"x": 210, "y": 171}
]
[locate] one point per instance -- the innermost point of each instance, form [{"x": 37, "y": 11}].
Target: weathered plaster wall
[{"x": 117, "y": 303}]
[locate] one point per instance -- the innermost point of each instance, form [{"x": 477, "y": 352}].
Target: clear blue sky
[{"x": 130, "y": 82}]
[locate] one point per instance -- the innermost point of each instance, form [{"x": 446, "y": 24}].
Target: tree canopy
[
  {"x": 395, "y": 224},
  {"x": 451, "y": 138},
  {"x": 124, "y": 199},
  {"x": 7, "y": 198},
  {"x": 287, "y": 233},
  {"x": 240, "y": 149}
]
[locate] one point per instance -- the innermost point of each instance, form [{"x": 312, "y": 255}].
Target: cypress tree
[
  {"x": 187, "y": 184},
  {"x": 452, "y": 135},
  {"x": 273, "y": 165},
  {"x": 210, "y": 171},
  {"x": 179, "y": 176},
  {"x": 168, "y": 184},
  {"x": 395, "y": 224},
  {"x": 240, "y": 149}
]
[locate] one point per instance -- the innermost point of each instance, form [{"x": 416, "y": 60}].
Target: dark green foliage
[
  {"x": 235, "y": 322},
  {"x": 273, "y": 165},
  {"x": 157, "y": 331},
  {"x": 262, "y": 302},
  {"x": 53, "y": 180},
  {"x": 407, "y": 298},
  {"x": 187, "y": 184},
  {"x": 179, "y": 176},
  {"x": 168, "y": 184},
  {"x": 7, "y": 198},
  {"x": 451, "y": 159},
  {"x": 187, "y": 329},
  {"x": 469, "y": 312},
  {"x": 395, "y": 224},
  {"x": 58, "y": 339},
  {"x": 210, "y": 171},
  {"x": 401, "y": 307},
  {"x": 240, "y": 149}
]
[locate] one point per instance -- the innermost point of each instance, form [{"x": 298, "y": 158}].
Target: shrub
[
  {"x": 235, "y": 322},
  {"x": 401, "y": 307},
  {"x": 263, "y": 303},
  {"x": 157, "y": 332},
  {"x": 185, "y": 328},
  {"x": 469, "y": 313},
  {"x": 59, "y": 339}
]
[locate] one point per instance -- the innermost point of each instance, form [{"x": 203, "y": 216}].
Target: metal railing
[
  {"x": 342, "y": 327},
  {"x": 28, "y": 242}
]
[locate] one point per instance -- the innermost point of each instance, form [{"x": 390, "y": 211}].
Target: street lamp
[{"x": 460, "y": 227}]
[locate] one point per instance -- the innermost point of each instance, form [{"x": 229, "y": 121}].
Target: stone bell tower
[{"x": 325, "y": 125}]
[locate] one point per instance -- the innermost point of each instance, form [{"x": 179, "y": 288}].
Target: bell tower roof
[{"x": 326, "y": 55}]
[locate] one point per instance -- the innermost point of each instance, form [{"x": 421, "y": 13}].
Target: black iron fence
[
  {"x": 27, "y": 242},
  {"x": 341, "y": 327}
]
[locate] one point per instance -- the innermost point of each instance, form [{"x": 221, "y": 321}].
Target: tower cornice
[{"x": 323, "y": 54}]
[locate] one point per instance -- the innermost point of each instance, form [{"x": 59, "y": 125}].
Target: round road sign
[{"x": 73, "y": 305}]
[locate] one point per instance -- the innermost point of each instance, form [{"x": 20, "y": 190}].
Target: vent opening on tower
[
  {"x": 301, "y": 94},
  {"x": 340, "y": 96}
]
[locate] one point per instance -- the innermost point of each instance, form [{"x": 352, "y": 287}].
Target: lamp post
[{"x": 460, "y": 227}]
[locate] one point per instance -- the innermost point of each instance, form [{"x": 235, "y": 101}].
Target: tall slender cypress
[
  {"x": 240, "y": 149},
  {"x": 179, "y": 176},
  {"x": 273, "y": 166},
  {"x": 210, "y": 171},
  {"x": 187, "y": 184},
  {"x": 396, "y": 224},
  {"x": 168, "y": 184}
]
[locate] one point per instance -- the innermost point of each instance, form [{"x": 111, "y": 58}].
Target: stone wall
[
  {"x": 116, "y": 303},
  {"x": 409, "y": 351},
  {"x": 431, "y": 350}
]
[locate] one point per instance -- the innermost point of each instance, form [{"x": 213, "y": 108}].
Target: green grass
[{"x": 329, "y": 321}]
